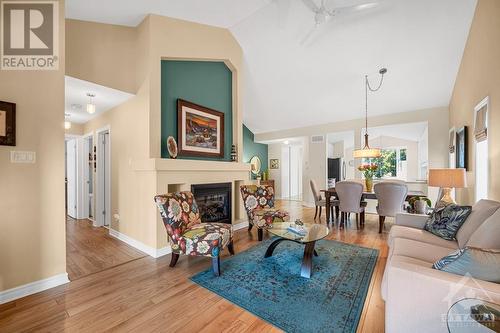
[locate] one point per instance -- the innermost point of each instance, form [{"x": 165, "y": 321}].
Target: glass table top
[
  {"x": 314, "y": 232},
  {"x": 473, "y": 315}
]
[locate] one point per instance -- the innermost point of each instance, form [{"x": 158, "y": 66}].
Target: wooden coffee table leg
[
  {"x": 270, "y": 249},
  {"x": 306, "y": 269}
]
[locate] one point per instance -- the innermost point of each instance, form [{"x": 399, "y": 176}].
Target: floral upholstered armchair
[
  {"x": 259, "y": 204},
  {"x": 188, "y": 235}
]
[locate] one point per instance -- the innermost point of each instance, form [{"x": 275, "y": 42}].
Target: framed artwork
[
  {"x": 461, "y": 148},
  {"x": 200, "y": 130},
  {"x": 274, "y": 163},
  {"x": 7, "y": 124}
]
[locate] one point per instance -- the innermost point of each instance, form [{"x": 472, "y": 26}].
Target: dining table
[{"x": 331, "y": 192}]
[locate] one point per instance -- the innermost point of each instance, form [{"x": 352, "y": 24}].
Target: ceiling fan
[{"x": 323, "y": 14}]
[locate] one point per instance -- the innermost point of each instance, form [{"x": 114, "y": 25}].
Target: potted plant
[
  {"x": 368, "y": 171},
  {"x": 419, "y": 205}
]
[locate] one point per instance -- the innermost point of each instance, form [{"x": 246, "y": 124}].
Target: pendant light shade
[
  {"x": 367, "y": 151},
  {"x": 90, "y": 104}
]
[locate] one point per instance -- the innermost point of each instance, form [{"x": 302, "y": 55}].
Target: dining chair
[
  {"x": 319, "y": 201},
  {"x": 349, "y": 194},
  {"x": 391, "y": 196},
  {"x": 187, "y": 234}
]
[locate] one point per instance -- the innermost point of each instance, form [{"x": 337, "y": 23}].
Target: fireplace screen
[{"x": 214, "y": 201}]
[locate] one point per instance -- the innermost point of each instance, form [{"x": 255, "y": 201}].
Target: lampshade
[
  {"x": 366, "y": 153},
  {"x": 91, "y": 108},
  {"x": 449, "y": 178},
  {"x": 67, "y": 124}
]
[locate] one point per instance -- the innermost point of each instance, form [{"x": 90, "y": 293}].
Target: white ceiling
[
  {"x": 291, "y": 84},
  {"x": 76, "y": 99}
]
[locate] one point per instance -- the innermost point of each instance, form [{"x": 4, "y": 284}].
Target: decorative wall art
[
  {"x": 7, "y": 124},
  {"x": 200, "y": 130},
  {"x": 461, "y": 148},
  {"x": 274, "y": 163}
]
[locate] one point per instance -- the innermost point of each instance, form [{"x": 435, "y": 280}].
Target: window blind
[{"x": 481, "y": 129}]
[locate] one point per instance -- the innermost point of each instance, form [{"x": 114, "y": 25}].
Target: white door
[
  {"x": 71, "y": 176},
  {"x": 103, "y": 180}
]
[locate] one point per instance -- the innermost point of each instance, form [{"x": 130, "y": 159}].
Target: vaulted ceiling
[{"x": 292, "y": 80}]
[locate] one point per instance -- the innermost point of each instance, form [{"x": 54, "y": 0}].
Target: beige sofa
[{"x": 417, "y": 297}]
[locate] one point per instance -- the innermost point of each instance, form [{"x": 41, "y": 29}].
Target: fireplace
[{"x": 214, "y": 201}]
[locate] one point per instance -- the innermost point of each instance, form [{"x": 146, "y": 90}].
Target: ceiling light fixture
[
  {"x": 90, "y": 104},
  {"x": 67, "y": 123},
  {"x": 367, "y": 151},
  {"x": 286, "y": 142}
]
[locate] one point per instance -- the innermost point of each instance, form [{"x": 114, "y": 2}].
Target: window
[
  {"x": 481, "y": 149},
  {"x": 391, "y": 164}
]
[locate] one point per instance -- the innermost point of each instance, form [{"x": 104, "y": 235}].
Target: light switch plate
[{"x": 22, "y": 157}]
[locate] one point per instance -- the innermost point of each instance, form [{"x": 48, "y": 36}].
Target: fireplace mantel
[{"x": 167, "y": 164}]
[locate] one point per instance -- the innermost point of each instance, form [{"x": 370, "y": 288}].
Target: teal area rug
[{"x": 272, "y": 288}]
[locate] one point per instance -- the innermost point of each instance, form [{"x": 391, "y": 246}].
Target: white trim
[
  {"x": 240, "y": 224},
  {"x": 484, "y": 102},
  {"x": 155, "y": 253},
  {"x": 33, "y": 287}
]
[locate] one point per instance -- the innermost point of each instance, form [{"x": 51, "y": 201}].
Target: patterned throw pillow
[
  {"x": 446, "y": 220},
  {"x": 477, "y": 263}
]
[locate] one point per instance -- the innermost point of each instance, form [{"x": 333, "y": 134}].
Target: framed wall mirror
[{"x": 256, "y": 164}]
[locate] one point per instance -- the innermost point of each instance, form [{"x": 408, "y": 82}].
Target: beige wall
[
  {"x": 135, "y": 125},
  {"x": 32, "y": 221},
  {"x": 478, "y": 77}
]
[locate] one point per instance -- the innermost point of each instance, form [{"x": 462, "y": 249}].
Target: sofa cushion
[
  {"x": 446, "y": 220},
  {"x": 478, "y": 263},
  {"x": 487, "y": 236},
  {"x": 396, "y": 259},
  {"x": 399, "y": 231},
  {"x": 481, "y": 211},
  {"x": 418, "y": 250}
]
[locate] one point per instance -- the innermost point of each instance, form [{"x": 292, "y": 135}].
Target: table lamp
[{"x": 447, "y": 179}]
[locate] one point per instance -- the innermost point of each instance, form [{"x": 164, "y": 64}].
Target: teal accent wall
[
  {"x": 206, "y": 83},
  {"x": 251, "y": 148}
]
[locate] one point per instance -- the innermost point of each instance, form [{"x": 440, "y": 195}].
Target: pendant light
[
  {"x": 90, "y": 104},
  {"x": 367, "y": 151},
  {"x": 67, "y": 123}
]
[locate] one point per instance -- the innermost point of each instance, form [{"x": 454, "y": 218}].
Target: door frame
[
  {"x": 85, "y": 154},
  {"x": 102, "y": 180}
]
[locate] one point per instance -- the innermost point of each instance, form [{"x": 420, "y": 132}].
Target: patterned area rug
[{"x": 272, "y": 288}]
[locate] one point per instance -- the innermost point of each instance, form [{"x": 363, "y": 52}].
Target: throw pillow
[
  {"x": 478, "y": 263},
  {"x": 445, "y": 221}
]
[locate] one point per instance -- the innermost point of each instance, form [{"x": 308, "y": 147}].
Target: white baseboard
[
  {"x": 308, "y": 204},
  {"x": 155, "y": 253},
  {"x": 240, "y": 224},
  {"x": 33, "y": 287}
]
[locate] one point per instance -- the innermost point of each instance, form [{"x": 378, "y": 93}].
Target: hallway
[{"x": 90, "y": 250}]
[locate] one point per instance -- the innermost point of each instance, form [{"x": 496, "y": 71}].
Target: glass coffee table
[
  {"x": 314, "y": 233},
  {"x": 471, "y": 315}
]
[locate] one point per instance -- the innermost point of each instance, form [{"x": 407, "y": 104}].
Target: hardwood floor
[
  {"x": 90, "y": 250},
  {"x": 145, "y": 295}
]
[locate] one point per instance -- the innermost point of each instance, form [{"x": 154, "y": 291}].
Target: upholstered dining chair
[
  {"x": 259, "y": 204},
  {"x": 188, "y": 235},
  {"x": 349, "y": 194},
  {"x": 391, "y": 196},
  {"x": 319, "y": 202}
]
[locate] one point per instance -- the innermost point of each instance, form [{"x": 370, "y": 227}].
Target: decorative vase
[
  {"x": 420, "y": 207},
  {"x": 369, "y": 184}
]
